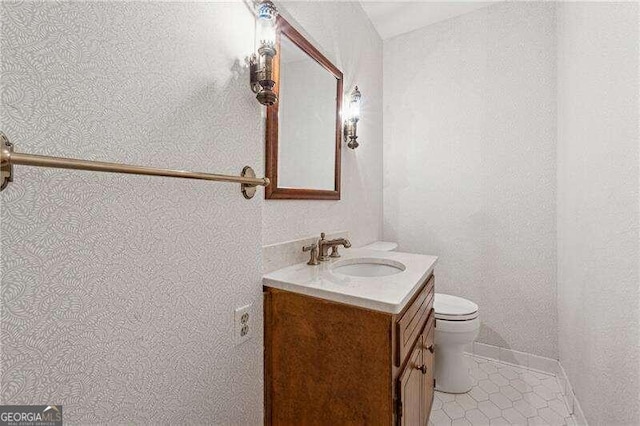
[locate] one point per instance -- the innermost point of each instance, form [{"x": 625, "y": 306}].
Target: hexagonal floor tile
[
  {"x": 489, "y": 409},
  {"x": 453, "y": 410},
  {"x": 510, "y": 392},
  {"x": 503, "y": 394},
  {"x": 476, "y": 417}
]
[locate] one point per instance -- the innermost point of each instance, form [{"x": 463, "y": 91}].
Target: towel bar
[{"x": 9, "y": 158}]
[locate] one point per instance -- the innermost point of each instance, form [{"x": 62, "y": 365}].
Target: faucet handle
[{"x": 313, "y": 248}]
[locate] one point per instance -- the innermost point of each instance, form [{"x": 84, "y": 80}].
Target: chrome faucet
[{"x": 323, "y": 247}]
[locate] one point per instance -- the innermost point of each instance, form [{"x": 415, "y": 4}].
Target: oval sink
[{"x": 367, "y": 267}]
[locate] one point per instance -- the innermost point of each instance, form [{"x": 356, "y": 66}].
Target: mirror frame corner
[{"x": 273, "y": 192}]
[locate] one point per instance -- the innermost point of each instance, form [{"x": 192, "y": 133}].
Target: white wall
[
  {"x": 598, "y": 208},
  {"x": 343, "y": 33},
  {"x": 470, "y": 163}
]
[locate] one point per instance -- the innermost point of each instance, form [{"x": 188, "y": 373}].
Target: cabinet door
[
  {"x": 429, "y": 363},
  {"x": 410, "y": 385}
]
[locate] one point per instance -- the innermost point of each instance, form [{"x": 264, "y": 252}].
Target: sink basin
[{"x": 367, "y": 267}]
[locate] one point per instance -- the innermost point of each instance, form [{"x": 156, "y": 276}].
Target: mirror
[{"x": 304, "y": 128}]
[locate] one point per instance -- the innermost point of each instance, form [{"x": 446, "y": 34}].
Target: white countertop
[{"x": 387, "y": 294}]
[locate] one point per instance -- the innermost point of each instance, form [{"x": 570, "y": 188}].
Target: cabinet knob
[
  {"x": 430, "y": 348},
  {"x": 423, "y": 368}
]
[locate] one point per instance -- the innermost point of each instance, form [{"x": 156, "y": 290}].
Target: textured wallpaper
[
  {"x": 470, "y": 163},
  {"x": 599, "y": 207},
  {"x": 344, "y": 34},
  {"x": 118, "y": 291}
]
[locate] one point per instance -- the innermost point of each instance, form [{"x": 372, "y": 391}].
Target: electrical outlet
[{"x": 243, "y": 324}]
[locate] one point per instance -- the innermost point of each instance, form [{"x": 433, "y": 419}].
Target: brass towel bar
[{"x": 247, "y": 179}]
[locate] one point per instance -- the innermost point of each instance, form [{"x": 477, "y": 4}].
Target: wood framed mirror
[{"x": 304, "y": 128}]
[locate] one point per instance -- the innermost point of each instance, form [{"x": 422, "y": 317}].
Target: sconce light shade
[
  {"x": 351, "y": 119},
  {"x": 262, "y": 82}
]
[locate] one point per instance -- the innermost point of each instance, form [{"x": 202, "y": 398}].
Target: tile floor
[{"x": 503, "y": 394}]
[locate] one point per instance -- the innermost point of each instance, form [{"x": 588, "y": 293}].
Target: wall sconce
[
  {"x": 351, "y": 119},
  {"x": 261, "y": 62}
]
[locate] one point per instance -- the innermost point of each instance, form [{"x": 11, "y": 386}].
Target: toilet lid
[
  {"x": 382, "y": 246},
  {"x": 454, "y": 308}
]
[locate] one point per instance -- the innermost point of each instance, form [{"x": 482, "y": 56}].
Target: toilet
[{"x": 457, "y": 326}]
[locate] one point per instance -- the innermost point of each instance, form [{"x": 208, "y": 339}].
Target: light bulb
[
  {"x": 353, "y": 113},
  {"x": 266, "y": 25},
  {"x": 352, "y": 118}
]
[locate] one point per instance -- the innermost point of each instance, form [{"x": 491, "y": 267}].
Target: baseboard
[
  {"x": 535, "y": 363},
  {"x": 570, "y": 397}
]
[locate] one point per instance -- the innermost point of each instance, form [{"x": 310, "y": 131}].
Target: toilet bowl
[{"x": 457, "y": 325}]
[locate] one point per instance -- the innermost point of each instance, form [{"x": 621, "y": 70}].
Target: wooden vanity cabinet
[{"x": 329, "y": 363}]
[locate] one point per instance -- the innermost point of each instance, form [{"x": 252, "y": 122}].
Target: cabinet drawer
[{"x": 411, "y": 323}]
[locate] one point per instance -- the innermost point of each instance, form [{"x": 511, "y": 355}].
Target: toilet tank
[{"x": 382, "y": 246}]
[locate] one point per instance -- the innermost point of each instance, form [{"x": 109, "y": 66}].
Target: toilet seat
[{"x": 453, "y": 308}]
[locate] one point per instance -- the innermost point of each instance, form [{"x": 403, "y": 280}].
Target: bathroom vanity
[{"x": 343, "y": 348}]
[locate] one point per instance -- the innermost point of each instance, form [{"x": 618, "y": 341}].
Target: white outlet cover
[{"x": 243, "y": 324}]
